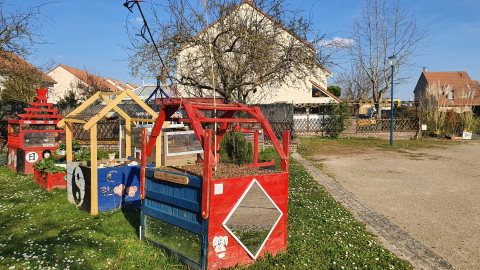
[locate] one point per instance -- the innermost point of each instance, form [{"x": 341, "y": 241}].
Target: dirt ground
[{"x": 433, "y": 194}]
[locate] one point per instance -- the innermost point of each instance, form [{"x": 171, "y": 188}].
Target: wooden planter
[
  {"x": 212, "y": 223},
  {"x": 172, "y": 217},
  {"x": 49, "y": 180}
]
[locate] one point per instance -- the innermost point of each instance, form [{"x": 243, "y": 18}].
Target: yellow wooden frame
[{"x": 91, "y": 125}]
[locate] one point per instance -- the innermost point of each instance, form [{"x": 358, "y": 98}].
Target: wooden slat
[
  {"x": 118, "y": 110},
  {"x": 74, "y": 121},
  {"x": 141, "y": 103},
  {"x": 80, "y": 108},
  {"x": 143, "y": 120},
  {"x": 104, "y": 111},
  {"x": 94, "y": 170},
  {"x": 171, "y": 177},
  {"x": 68, "y": 141}
]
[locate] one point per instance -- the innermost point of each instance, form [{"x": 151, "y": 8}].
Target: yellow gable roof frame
[{"x": 93, "y": 110}]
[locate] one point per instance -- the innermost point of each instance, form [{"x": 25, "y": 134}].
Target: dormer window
[
  {"x": 317, "y": 92},
  {"x": 451, "y": 96}
]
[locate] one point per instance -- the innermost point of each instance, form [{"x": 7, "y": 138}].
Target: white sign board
[
  {"x": 31, "y": 157},
  {"x": 424, "y": 127}
]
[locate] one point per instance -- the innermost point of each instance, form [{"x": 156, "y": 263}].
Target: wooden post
[
  {"x": 255, "y": 148},
  {"x": 286, "y": 150},
  {"x": 128, "y": 138},
  {"x": 143, "y": 163},
  {"x": 158, "y": 152},
  {"x": 94, "y": 170},
  {"x": 207, "y": 173},
  {"x": 165, "y": 149},
  {"x": 68, "y": 140}
]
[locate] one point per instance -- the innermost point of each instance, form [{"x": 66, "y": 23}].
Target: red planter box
[{"x": 49, "y": 180}]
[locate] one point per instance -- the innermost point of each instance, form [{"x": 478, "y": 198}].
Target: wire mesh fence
[{"x": 399, "y": 124}]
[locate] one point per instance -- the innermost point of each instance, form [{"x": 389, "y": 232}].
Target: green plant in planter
[
  {"x": 83, "y": 155},
  {"x": 234, "y": 148},
  {"x": 47, "y": 165},
  {"x": 75, "y": 146}
]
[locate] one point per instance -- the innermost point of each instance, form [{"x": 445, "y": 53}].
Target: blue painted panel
[
  {"x": 173, "y": 210},
  {"x": 184, "y": 223},
  {"x": 193, "y": 181},
  {"x": 119, "y": 185},
  {"x": 177, "y": 201}
]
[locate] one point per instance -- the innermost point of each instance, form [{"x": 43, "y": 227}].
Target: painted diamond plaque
[{"x": 253, "y": 219}]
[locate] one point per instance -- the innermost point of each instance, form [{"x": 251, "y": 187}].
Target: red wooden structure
[
  {"x": 35, "y": 135},
  {"x": 219, "y": 213}
]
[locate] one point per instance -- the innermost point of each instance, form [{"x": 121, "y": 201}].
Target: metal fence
[
  {"x": 399, "y": 124},
  {"x": 362, "y": 125}
]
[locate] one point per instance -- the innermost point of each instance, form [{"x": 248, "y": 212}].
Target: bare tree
[
  {"x": 381, "y": 29},
  {"x": 19, "y": 28},
  {"x": 254, "y": 46},
  {"x": 88, "y": 83},
  {"x": 356, "y": 86}
]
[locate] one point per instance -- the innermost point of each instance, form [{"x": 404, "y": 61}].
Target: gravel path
[{"x": 431, "y": 195}]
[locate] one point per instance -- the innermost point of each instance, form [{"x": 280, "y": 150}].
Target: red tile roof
[
  {"x": 85, "y": 77},
  {"x": 459, "y": 81},
  {"x": 10, "y": 62},
  {"x": 132, "y": 86},
  {"x": 119, "y": 83},
  {"x": 326, "y": 91}
]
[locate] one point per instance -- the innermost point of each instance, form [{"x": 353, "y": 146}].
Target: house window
[
  {"x": 451, "y": 96},
  {"x": 317, "y": 92}
]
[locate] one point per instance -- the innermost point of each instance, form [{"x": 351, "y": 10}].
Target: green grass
[
  {"x": 41, "y": 230},
  {"x": 308, "y": 146}
]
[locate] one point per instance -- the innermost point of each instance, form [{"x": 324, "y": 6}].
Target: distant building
[
  {"x": 11, "y": 62},
  {"x": 447, "y": 90},
  {"x": 68, "y": 78},
  {"x": 307, "y": 91}
]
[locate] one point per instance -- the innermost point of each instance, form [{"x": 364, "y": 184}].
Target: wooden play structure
[
  {"x": 215, "y": 222},
  {"x": 94, "y": 186},
  {"x": 35, "y": 135}
]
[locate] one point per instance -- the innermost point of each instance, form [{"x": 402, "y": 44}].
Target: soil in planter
[{"x": 223, "y": 170}]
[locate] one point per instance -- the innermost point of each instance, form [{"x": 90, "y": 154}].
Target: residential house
[
  {"x": 120, "y": 86},
  {"x": 447, "y": 90},
  {"x": 69, "y": 78},
  {"x": 132, "y": 86},
  {"x": 11, "y": 62},
  {"x": 309, "y": 90}
]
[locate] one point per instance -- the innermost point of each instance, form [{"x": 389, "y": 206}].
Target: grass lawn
[
  {"x": 41, "y": 230},
  {"x": 308, "y": 146}
]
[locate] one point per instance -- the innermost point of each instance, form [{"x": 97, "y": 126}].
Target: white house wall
[
  {"x": 297, "y": 92},
  {"x": 65, "y": 81}
]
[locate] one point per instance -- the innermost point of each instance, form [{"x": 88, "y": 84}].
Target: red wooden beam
[
  {"x": 227, "y": 120},
  {"x": 207, "y": 107},
  {"x": 286, "y": 146}
]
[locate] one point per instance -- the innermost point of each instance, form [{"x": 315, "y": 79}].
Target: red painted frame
[
  {"x": 34, "y": 115},
  {"x": 216, "y": 207}
]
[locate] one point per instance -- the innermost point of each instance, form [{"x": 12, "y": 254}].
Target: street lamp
[{"x": 392, "y": 60}]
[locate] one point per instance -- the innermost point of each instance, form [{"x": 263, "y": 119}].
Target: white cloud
[
  {"x": 337, "y": 42},
  {"x": 137, "y": 20}
]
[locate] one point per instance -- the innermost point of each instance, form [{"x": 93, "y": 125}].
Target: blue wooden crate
[
  {"x": 116, "y": 185},
  {"x": 171, "y": 217}
]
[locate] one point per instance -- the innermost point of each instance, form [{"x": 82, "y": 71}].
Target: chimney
[{"x": 424, "y": 69}]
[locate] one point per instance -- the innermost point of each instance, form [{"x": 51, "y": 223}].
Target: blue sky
[{"x": 88, "y": 33}]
